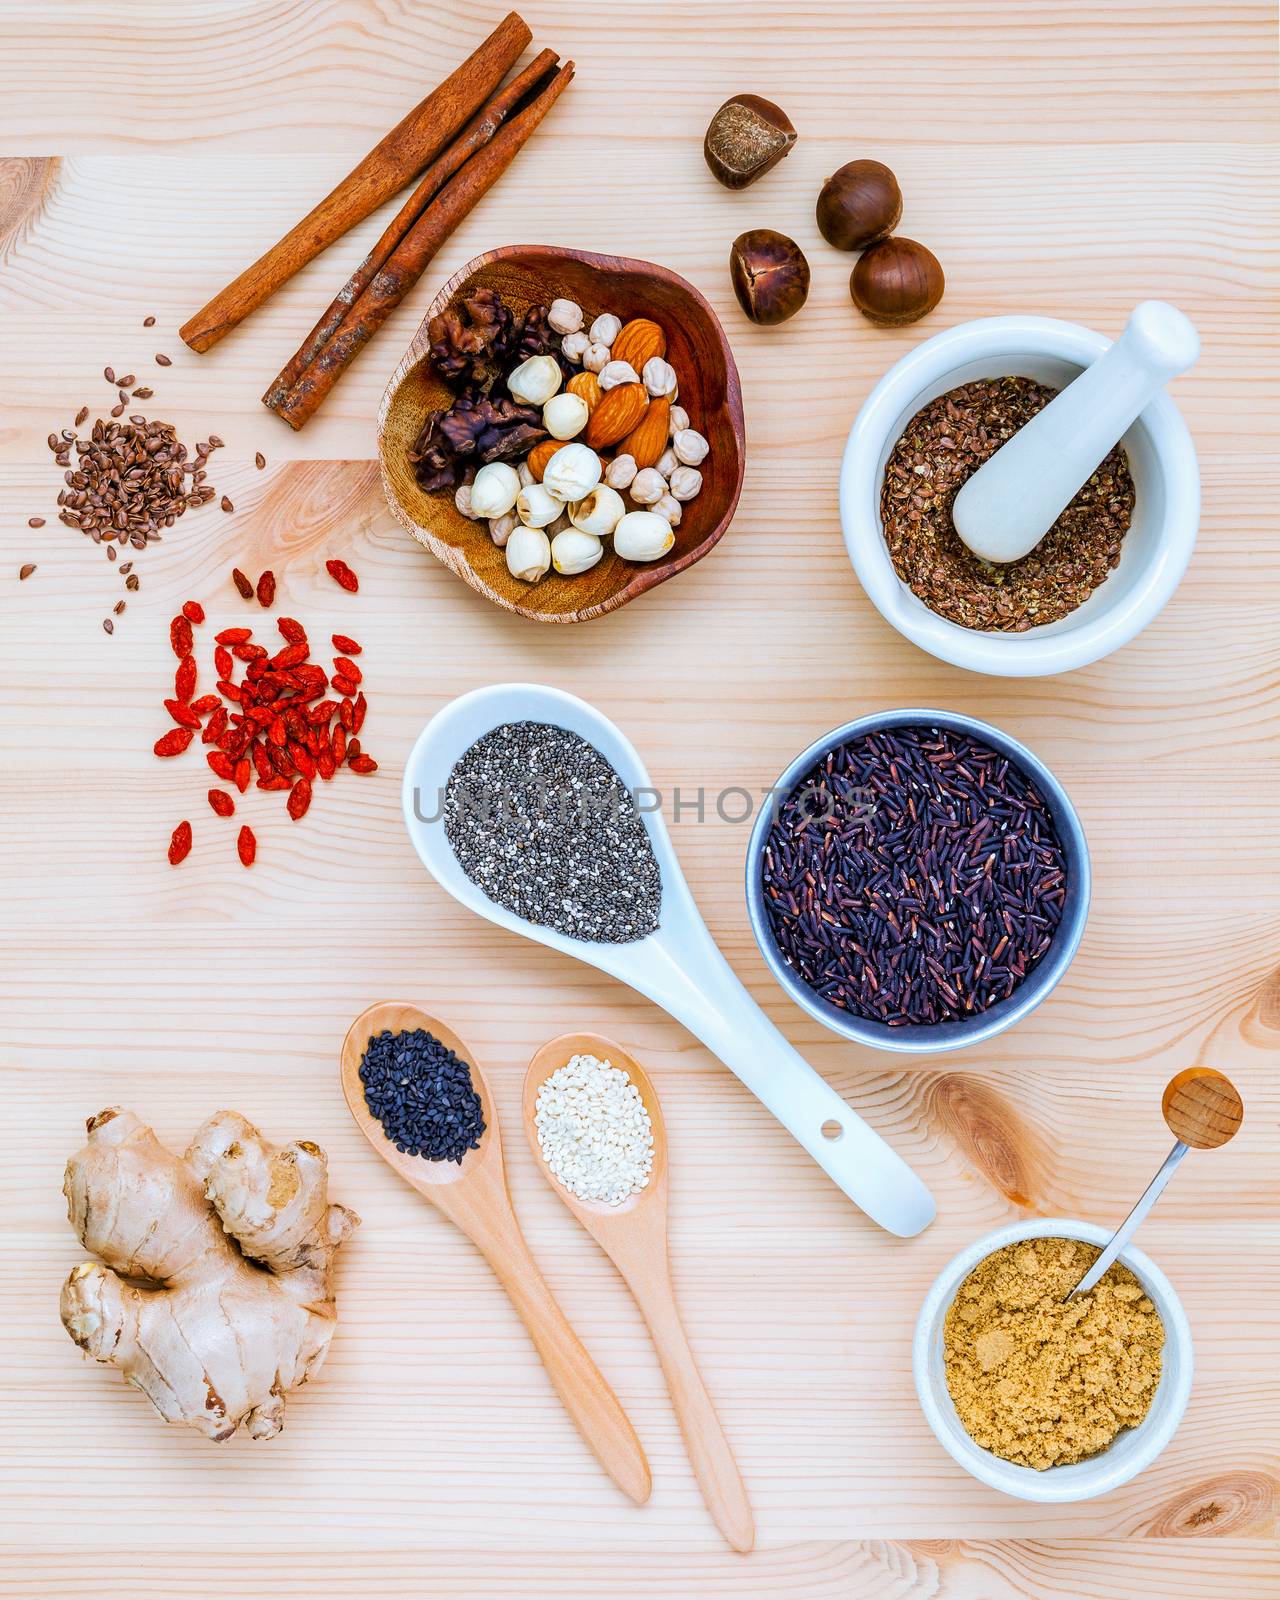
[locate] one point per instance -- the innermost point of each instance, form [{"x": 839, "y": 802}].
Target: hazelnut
[
  {"x": 746, "y": 138},
  {"x": 565, "y": 316},
  {"x": 595, "y": 358},
  {"x": 858, "y": 205},
  {"x": 667, "y": 463},
  {"x": 679, "y": 420},
  {"x": 462, "y": 499},
  {"x": 770, "y": 275},
  {"x": 574, "y": 346},
  {"x": 895, "y": 282}
]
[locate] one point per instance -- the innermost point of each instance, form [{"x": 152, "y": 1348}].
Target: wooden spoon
[
  {"x": 634, "y": 1237},
  {"x": 1203, "y": 1109},
  {"x": 473, "y": 1194}
]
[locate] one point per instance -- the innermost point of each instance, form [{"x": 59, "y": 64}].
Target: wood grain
[{"x": 1064, "y": 160}]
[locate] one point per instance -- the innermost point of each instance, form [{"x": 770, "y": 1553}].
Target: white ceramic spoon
[
  {"x": 1012, "y": 500},
  {"x": 678, "y": 966}
]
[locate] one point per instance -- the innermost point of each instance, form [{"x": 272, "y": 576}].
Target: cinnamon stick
[
  {"x": 478, "y": 132},
  {"x": 411, "y": 257},
  {"x": 417, "y": 139}
]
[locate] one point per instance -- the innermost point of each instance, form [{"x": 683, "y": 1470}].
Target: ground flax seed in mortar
[{"x": 1040, "y": 1380}]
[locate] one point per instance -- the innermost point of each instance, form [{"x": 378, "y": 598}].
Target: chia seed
[
  {"x": 422, "y": 1094},
  {"x": 541, "y": 822}
]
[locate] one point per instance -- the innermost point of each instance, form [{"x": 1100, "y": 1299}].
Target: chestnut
[
  {"x": 895, "y": 282},
  {"x": 770, "y": 275},
  {"x": 746, "y": 138},
  {"x": 858, "y": 205}
]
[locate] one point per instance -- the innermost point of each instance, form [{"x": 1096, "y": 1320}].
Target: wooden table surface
[{"x": 1068, "y": 160}]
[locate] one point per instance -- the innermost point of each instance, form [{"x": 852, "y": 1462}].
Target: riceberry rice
[
  {"x": 914, "y": 875},
  {"x": 422, "y": 1094},
  {"x": 542, "y": 823}
]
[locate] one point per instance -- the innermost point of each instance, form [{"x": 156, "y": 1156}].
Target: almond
[
  {"x": 646, "y": 442},
  {"x": 639, "y": 341},
  {"x": 617, "y": 414},
  {"x": 587, "y": 387},
  {"x": 538, "y": 457}
]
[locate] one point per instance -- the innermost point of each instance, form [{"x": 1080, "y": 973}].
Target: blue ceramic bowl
[{"x": 926, "y": 1038}]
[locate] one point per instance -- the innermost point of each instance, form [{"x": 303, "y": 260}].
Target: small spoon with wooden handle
[
  {"x": 473, "y": 1195},
  {"x": 634, "y": 1237},
  {"x": 1203, "y": 1109}
]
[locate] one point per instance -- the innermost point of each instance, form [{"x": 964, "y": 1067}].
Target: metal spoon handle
[{"x": 1129, "y": 1226}]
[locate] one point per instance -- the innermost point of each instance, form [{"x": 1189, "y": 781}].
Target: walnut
[
  {"x": 472, "y": 341},
  {"x": 472, "y": 431}
]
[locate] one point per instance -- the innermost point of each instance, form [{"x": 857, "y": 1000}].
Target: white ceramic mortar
[
  {"x": 1133, "y": 1451},
  {"x": 1156, "y": 549}
]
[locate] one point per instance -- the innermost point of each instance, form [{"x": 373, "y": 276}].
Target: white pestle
[{"x": 1012, "y": 500}]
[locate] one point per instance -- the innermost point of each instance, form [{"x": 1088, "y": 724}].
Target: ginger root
[{"x": 215, "y": 1340}]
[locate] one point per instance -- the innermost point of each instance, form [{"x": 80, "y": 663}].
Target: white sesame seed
[{"x": 594, "y": 1131}]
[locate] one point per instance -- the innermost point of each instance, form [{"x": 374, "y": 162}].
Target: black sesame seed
[{"x": 422, "y": 1094}]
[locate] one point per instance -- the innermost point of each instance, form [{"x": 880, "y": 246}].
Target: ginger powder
[{"x": 1042, "y": 1381}]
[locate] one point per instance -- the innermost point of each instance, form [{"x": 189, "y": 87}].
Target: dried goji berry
[
  {"x": 348, "y": 669},
  {"x": 353, "y": 748},
  {"x": 221, "y": 766},
  {"x": 233, "y": 635},
  {"x": 205, "y": 704},
  {"x": 180, "y": 637},
  {"x": 362, "y": 764},
  {"x": 310, "y": 675},
  {"x": 322, "y": 711},
  {"x": 243, "y": 773},
  {"x": 291, "y": 630},
  {"x": 362, "y": 705},
  {"x": 342, "y": 575},
  {"x": 347, "y": 715},
  {"x": 267, "y": 588},
  {"x": 223, "y": 662},
  {"x": 242, "y": 583},
  {"x": 184, "y": 679},
  {"x": 182, "y": 713},
  {"x": 302, "y": 759},
  {"x": 193, "y": 611},
  {"x": 276, "y": 732},
  {"x": 339, "y": 745},
  {"x": 246, "y": 847},
  {"x": 260, "y": 716},
  {"x": 281, "y": 762},
  {"x": 324, "y": 763},
  {"x": 222, "y": 802},
  {"x": 299, "y": 799},
  {"x": 229, "y": 690},
  {"x": 249, "y": 652},
  {"x": 341, "y": 684},
  {"x": 261, "y": 760},
  {"x": 290, "y": 656},
  {"x": 275, "y": 783},
  {"x": 345, "y": 643},
  {"x": 174, "y": 742},
  {"x": 180, "y": 843}
]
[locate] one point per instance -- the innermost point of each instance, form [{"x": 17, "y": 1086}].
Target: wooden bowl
[{"x": 697, "y": 348}]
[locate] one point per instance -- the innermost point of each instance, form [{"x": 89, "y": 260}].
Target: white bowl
[
  {"x": 1156, "y": 548},
  {"x": 1134, "y": 1449}
]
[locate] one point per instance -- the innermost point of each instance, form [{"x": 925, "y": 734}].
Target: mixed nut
[{"x": 588, "y": 444}]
